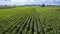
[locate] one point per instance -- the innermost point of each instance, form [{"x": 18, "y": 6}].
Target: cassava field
[{"x": 30, "y": 20}]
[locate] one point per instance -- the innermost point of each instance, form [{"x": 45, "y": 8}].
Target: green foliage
[
  {"x": 35, "y": 32},
  {"x": 30, "y": 20},
  {"x": 30, "y": 31},
  {"x": 25, "y": 31}
]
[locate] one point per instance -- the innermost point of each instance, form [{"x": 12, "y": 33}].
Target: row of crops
[{"x": 26, "y": 24}]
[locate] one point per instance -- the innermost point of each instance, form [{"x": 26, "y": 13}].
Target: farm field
[{"x": 30, "y": 20}]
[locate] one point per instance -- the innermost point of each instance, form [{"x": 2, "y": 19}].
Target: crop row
[{"x": 26, "y": 24}]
